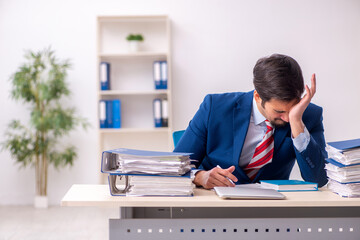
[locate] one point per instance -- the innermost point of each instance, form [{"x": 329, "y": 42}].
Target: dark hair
[{"x": 278, "y": 77}]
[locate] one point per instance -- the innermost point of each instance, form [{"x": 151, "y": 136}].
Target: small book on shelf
[{"x": 289, "y": 185}]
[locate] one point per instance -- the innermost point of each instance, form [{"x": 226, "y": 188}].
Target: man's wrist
[
  {"x": 198, "y": 176},
  {"x": 297, "y": 127}
]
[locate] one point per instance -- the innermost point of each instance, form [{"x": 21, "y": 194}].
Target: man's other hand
[{"x": 216, "y": 177}]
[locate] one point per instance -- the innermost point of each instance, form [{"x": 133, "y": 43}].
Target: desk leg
[{"x": 126, "y": 213}]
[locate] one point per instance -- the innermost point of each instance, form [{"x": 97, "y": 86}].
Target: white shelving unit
[{"x": 131, "y": 81}]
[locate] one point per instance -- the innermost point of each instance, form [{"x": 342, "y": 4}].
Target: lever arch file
[
  {"x": 105, "y": 75},
  {"x": 148, "y": 173}
]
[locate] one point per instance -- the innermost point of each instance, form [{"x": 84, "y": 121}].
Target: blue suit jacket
[{"x": 217, "y": 133}]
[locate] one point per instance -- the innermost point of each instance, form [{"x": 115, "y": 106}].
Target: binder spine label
[
  {"x": 157, "y": 75},
  {"x": 164, "y": 75},
  {"x": 102, "y": 113},
  {"x": 164, "y": 113}
]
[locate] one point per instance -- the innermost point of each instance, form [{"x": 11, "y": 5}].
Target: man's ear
[{"x": 257, "y": 97}]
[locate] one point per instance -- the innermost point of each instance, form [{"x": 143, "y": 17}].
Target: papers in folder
[
  {"x": 160, "y": 186},
  {"x": 344, "y": 152},
  {"x": 130, "y": 161},
  {"x": 148, "y": 173},
  {"x": 343, "y": 167}
]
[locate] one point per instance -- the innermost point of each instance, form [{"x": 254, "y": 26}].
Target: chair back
[{"x": 176, "y": 136}]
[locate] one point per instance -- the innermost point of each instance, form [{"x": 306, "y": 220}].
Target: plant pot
[
  {"x": 41, "y": 202},
  {"x": 134, "y": 46}
]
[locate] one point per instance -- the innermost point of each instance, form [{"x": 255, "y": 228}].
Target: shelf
[
  {"x": 134, "y": 130},
  {"x": 132, "y": 81},
  {"x": 135, "y": 54},
  {"x": 130, "y": 18},
  {"x": 119, "y": 92}
]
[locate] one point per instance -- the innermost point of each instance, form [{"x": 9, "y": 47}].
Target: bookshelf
[{"x": 131, "y": 81}]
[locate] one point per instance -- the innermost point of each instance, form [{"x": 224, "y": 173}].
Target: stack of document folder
[
  {"x": 148, "y": 173},
  {"x": 161, "y": 186},
  {"x": 343, "y": 167}
]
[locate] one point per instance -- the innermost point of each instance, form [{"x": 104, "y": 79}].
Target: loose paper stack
[
  {"x": 343, "y": 167},
  {"x": 161, "y": 165},
  {"x": 151, "y": 173}
]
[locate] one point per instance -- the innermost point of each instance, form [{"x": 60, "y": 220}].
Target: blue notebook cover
[
  {"x": 145, "y": 153},
  {"x": 340, "y": 165},
  {"x": 345, "y": 145},
  {"x": 290, "y": 185}
]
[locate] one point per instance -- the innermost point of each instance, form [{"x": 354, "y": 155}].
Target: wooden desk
[{"x": 317, "y": 215}]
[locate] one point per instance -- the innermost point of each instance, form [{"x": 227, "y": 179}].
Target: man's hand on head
[
  {"x": 297, "y": 111},
  {"x": 215, "y": 177}
]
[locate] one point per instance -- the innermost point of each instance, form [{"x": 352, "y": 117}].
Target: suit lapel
[
  {"x": 242, "y": 114},
  {"x": 279, "y": 136}
]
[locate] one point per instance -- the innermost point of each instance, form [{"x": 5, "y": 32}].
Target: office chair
[{"x": 176, "y": 136}]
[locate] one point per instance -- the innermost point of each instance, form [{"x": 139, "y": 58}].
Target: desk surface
[{"x": 99, "y": 196}]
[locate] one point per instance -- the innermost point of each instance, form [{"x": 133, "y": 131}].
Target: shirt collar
[{"x": 258, "y": 117}]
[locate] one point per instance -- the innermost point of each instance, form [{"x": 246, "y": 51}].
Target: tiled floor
[{"x": 55, "y": 223}]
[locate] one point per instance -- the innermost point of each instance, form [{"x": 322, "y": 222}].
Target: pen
[{"x": 226, "y": 177}]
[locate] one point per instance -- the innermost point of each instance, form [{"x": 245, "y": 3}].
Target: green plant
[
  {"x": 40, "y": 83},
  {"x": 135, "y": 37}
]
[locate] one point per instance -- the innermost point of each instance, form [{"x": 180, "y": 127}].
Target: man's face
[{"x": 276, "y": 111}]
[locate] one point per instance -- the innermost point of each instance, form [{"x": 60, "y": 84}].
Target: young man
[{"x": 257, "y": 135}]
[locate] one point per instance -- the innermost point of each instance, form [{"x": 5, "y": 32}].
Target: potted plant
[
  {"x": 134, "y": 41},
  {"x": 40, "y": 84}
]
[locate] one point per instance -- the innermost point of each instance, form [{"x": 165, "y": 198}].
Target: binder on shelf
[
  {"x": 157, "y": 112},
  {"x": 116, "y": 111},
  {"x": 157, "y": 74},
  {"x": 164, "y": 113},
  {"x": 102, "y": 113},
  {"x": 104, "y": 76},
  {"x": 164, "y": 75},
  {"x": 109, "y": 114}
]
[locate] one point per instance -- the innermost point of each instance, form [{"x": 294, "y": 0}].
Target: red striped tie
[{"x": 263, "y": 153}]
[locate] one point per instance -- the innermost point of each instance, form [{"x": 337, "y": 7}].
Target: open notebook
[{"x": 248, "y": 191}]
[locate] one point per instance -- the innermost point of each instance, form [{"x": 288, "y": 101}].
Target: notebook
[
  {"x": 289, "y": 185},
  {"x": 247, "y": 192}
]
